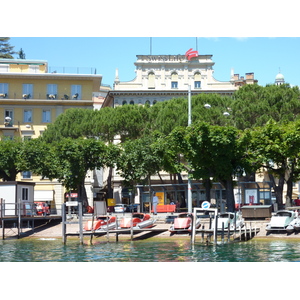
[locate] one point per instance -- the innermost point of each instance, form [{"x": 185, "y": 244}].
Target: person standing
[{"x": 155, "y": 202}]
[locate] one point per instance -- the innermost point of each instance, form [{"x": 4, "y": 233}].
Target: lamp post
[{"x": 189, "y": 194}]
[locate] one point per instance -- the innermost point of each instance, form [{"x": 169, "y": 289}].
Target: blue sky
[{"x": 264, "y": 56}]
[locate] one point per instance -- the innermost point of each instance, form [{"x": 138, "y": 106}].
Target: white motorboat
[
  {"x": 231, "y": 220},
  {"x": 282, "y": 220}
]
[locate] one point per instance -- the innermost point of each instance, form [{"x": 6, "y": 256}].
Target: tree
[
  {"x": 211, "y": 151},
  {"x": 6, "y": 50},
  {"x": 10, "y": 159},
  {"x": 254, "y": 105},
  {"x": 21, "y": 54},
  {"x": 275, "y": 147}
]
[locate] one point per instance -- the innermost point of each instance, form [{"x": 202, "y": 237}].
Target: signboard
[
  {"x": 161, "y": 198},
  {"x": 251, "y": 196},
  {"x": 73, "y": 195},
  {"x": 205, "y": 205},
  {"x": 72, "y": 203}
]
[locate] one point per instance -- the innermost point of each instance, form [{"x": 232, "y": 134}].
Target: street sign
[{"x": 205, "y": 205}]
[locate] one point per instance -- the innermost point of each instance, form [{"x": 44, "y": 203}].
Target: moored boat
[
  {"x": 99, "y": 222},
  {"x": 282, "y": 220},
  {"x": 138, "y": 220},
  {"x": 231, "y": 220},
  {"x": 184, "y": 223}
]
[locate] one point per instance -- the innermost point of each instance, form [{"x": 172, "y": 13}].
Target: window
[
  {"x": 197, "y": 84},
  {"x": 9, "y": 114},
  {"x": 26, "y": 175},
  {"x": 27, "y": 115},
  {"x": 131, "y": 102},
  {"x": 33, "y": 68},
  {"x": 46, "y": 117},
  {"x": 27, "y": 90},
  {"x": 51, "y": 91},
  {"x": 174, "y": 84},
  {"x": 25, "y": 193},
  {"x": 151, "y": 80},
  {"x": 4, "y": 68},
  {"x": 76, "y": 91},
  {"x": 174, "y": 80},
  {"x": 124, "y": 102},
  {"x": 3, "y": 90}
]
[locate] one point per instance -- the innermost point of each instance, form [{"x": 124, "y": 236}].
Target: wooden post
[
  {"x": 228, "y": 233},
  {"x": 131, "y": 227},
  {"x": 107, "y": 233},
  {"x": 80, "y": 222},
  {"x": 19, "y": 218},
  {"x": 202, "y": 234},
  {"x": 117, "y": 228},
  {"x": 222, "y": 233},
  {"x": 216, "y": 227},
  {"x": 63, "y": 216}
]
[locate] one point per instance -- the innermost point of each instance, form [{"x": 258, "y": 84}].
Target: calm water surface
[{"x": 53, "y": 250}]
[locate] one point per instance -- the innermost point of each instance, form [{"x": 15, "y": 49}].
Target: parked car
[
  {"x": 120, "y": 208},
  {"x": 42, "y": 208}
]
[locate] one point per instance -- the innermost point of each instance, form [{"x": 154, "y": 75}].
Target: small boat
[
  {"x": 139, "y": 221},
  {"x": 184, "y": 223},
  {"x": 282, "y": 220},
  {"x": 297, "y": 224},
  {"x": 100, "y": 222},
  {"x": 231, "y": 220}
]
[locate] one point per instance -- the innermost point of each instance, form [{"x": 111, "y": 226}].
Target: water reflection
[{"x": 148, "y": 251}]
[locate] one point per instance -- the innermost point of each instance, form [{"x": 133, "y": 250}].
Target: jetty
[{"x": 203, "y": 234}]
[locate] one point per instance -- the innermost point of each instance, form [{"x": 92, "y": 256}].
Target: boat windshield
[
  {"x": 283, "y": 214},
  {"x": 140, "y": 216}
]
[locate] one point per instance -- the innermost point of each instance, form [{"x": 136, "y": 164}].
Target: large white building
[
  {"x": 160, "y": 78},
  {"x": 163, "y": 77}
]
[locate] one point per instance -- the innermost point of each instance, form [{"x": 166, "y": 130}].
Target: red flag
[{"x": 190, "y": 53}]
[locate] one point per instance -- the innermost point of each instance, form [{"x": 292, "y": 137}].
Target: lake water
[{"x": 53, "y": 250}]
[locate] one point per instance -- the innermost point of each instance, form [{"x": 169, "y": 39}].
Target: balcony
[{"x": 41, "y": 96}]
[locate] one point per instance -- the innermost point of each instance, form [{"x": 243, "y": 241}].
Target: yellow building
[{"x": 30, "y": 99}]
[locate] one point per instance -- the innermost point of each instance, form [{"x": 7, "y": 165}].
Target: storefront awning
[{"x": 43, "y": 195}]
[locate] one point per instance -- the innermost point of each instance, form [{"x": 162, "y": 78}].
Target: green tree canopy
[{"x": 6, "y": 50}]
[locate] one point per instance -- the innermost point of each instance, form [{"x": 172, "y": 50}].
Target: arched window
[
  {"x": 174, "y": 80},
  {"x": 124, "y": 102},
  {"x": 147, "y": 102},
  {"x": 151, "y": 80},
  {"x": 197, "y": 80},
  {"x": 131, "y": 102},
  {"x": 154, "y": 102}
]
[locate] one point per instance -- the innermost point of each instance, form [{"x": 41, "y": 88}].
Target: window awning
[{"x": 43, "y": 195}]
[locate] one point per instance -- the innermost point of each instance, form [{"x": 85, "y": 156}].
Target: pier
[{"x": 203, "y": 234}]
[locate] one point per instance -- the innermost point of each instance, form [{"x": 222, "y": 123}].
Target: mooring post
[
  {"x": 117, "y": 228},
  {"x": 216, "y": 226},
  {"x": 222, "y": 233},
  {"x": 63, "y": 217},
  {"x": 107, "y": 228},
  {"x": 131, "y": 227},
  {"x": 80, "y": 222},
  {"x": 19, "y": 218},
  {"x": 2, "y": 220},
  {"x": 228, "y": 233}
]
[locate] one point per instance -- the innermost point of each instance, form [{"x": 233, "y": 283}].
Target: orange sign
[{"x": 161, "y": 198}]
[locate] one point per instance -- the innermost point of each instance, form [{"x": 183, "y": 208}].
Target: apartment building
[{"x": 30, "y": 99}]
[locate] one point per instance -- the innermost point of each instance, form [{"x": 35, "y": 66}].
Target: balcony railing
[{"x": 41, "y": 96}]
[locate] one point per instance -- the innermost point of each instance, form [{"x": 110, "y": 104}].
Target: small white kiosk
[{"x": 13, "y": 193}]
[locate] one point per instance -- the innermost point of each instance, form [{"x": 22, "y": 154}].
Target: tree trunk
[
  {"x": 228, "y": 184},
  {"x": 278, "y": 189},
  {"x": 207, "y": 185},
  {"x": 82, "y": 196},
  {"x": 109, "y": 187}
]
